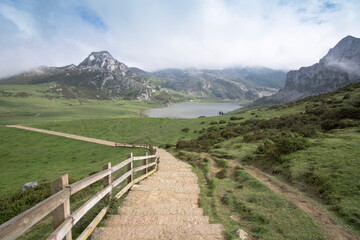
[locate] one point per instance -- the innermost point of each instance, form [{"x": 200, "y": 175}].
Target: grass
[
  {"x": 241, "y": 201},
  {"x": 30, "y": 156},
  {"x": 312, "y": 143},
  {"x": 331, "y": 169},
  {"x": 40, "y": 106},
  {"x": 155, "y": 131}
]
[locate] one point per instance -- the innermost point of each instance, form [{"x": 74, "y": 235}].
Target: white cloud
[{"x": 159, "y": 34}]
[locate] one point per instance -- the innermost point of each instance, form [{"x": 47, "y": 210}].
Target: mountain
[
  {"x": 230, "y": 83},
  {"x": 339, "y": 67},
  {"x": 100, "y": 76},
  {"x": 97, "y": 76}
]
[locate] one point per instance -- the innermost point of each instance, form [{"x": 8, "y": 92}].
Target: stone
[
  {"x": 242, "y": 234},
  {"x": 28, "y": 185}
]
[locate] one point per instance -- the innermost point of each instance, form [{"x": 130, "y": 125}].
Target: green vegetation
[
  {"x": 39, "y": 103},
  {"x": 241, "y": 201},
  {"x": 312, "y": 143},
  {"x": 156, "y": 131},
  {"x": 30, "y": 156}
]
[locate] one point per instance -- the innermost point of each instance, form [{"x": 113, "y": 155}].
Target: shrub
[
  {"x": 287, "y": 143},
  {"x": 329, "y": 124},
  {"x": 220, "y": 162},
  {"x": 168, "y": 145},
  {"x": 213, "y": 123},
  {"x": 349, "y": 112},
  {"x": 10, "y": 206},
  {"x": 222, "y": 174},
  {"x": 185, "y": 129},
  {"x": 347, "y": 96},
  {"x": 222, "y": 121},
  {"x": 225, "y": 199},
  {"x": 233, "y": 118}
]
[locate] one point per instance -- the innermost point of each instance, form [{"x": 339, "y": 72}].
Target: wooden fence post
[
  {"x": 107, "y": 179},
  {"x": 63, "y": 211},
  {"x": 130, "y": 167},
  {"x": 145, "y": 162}
]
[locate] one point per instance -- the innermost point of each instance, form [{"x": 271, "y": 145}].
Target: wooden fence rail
[{"x": 59, "y": 202}]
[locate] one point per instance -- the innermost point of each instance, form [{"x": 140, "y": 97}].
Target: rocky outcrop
[{"x": 341, "y": 66}]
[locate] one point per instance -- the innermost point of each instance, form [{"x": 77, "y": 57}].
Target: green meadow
[{"x": 312, "y": 144}]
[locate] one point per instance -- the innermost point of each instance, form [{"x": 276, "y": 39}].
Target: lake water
[{"x": 192, "y": 110}]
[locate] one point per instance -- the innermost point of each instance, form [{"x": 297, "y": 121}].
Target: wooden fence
[{"x": 59, "y": 202}]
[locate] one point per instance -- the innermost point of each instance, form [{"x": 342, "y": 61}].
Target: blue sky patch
[{"x": 90, "y": 17}]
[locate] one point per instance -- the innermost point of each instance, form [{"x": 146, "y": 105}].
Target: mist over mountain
[
  {"x": 100, "y": 76},
  {"x": 339, "y": 67},
  {"x": 231, "y": 83}
]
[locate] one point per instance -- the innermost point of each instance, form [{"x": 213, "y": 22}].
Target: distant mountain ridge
[
  {"x": 339, "y": 67},
  {"x": 231, "y": 83},
  {"x": 100, "y": 76}
]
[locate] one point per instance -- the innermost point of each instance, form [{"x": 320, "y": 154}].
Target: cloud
[{"x": 158, "y": 34}]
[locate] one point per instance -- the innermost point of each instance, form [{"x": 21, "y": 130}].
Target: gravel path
[{"x": 163, "y": 206}]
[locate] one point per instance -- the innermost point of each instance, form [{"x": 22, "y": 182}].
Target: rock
[
  {"x": 338, "y": 68},
  {"x": 242, "y": 234},
  {"x": 28, "y": 185}
]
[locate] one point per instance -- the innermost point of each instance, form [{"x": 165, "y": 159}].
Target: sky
[{"x": 157, "y": 34}]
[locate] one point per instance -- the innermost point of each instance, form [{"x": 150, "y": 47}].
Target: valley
[{"x": 288, "y": 171}]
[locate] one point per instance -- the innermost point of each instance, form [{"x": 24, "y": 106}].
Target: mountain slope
[
  {"x": 229, "y": 83},
  {"x": 99, "y": 75},
  {"x": 341, "y": 66}
]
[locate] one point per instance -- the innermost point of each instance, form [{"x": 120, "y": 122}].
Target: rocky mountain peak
[
  {"x": 103, "y": 60},
  {"x": 345, "y": 56},
  {"x": 339, "y": 67}
]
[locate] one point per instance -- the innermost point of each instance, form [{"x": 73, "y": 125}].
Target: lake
[{"x": 192, "y": 110}]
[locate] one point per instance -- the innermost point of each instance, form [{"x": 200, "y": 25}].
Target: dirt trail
[
  {"x": 333, "y": 230},
  {"x": 81, "y": 138}
]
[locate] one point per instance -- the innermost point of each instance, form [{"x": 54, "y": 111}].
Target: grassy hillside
[
  {"x": 46, "y": 103},
  {"x": 312, "y": 143},
  {"x": 30, "y": 156},
  {"x": 234, "y": 198}
]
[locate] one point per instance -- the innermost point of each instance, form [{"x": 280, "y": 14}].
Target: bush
[
  {"x": 222, "y": 121},
  {"x": 222, "y": 174},
  {"x": 168, "y": 145},
  {"x": 213, "y": 123},
  {"x": 220, "y": 162},
  {"x": 185, "y": 129},
  {"x": 285, "y": 143},
  {"x": 10, "y": 206},
  {"x": 329, "y": 124},
  {"x": 236, "y": 118}
]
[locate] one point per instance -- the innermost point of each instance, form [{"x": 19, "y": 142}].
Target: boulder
[
  {"x": 28, "y": 185},
  {"x": 242, "y": 234}
]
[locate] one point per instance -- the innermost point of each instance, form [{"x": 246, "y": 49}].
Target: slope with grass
[
  {"x": 234, "y": 198},
  {"x": 31, "y": 156},
  {"x": 312, "y": 143},
  {"x": 46, "y": 103}
]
